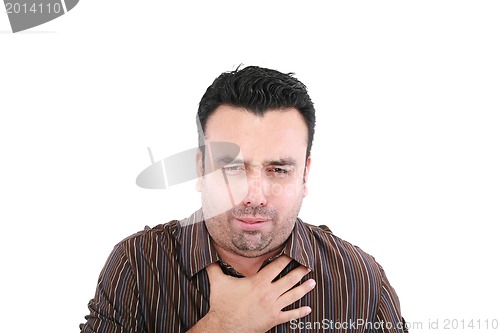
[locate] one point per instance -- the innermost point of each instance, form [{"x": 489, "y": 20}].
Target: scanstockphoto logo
[
  {"x": 26, "y": 14},
  {"x": 181, "y": 168}
]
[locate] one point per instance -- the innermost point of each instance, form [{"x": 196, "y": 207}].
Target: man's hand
[{"x": 254, "y": 304}]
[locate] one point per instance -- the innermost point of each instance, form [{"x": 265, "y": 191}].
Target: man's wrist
[{"x": 210, "y": 323}]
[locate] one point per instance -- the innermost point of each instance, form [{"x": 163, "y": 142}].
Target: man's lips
[
  {"x": 252, "y": 223},
  {"x": 252, "y": 220}
]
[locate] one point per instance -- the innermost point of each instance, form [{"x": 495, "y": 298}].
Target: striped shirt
[{"x": 155, "y": 281}]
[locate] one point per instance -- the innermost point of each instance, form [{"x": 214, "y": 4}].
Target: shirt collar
[{"x": 197, "y": 251}]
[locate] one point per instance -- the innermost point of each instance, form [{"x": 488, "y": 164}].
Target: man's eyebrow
[
  {"x": 287, "y": 161},
  {"x": 226, "y": 159}
]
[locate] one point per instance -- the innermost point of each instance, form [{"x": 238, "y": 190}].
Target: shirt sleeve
[
  {"x": 389, "y": 311},
  {"x": 115, "y": 306}
]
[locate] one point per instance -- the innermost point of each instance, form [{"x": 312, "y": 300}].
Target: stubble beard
[
  {"x": 252, "y": 243},
  {"x": 247, "y": 243}
]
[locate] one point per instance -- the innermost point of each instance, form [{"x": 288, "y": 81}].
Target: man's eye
[
  {"x": 281, "y": 172},
  {"x": 234, "y": 169}
]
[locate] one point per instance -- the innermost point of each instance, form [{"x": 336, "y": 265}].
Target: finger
[
  {"x": 290, "y": 315},
  {"x": 290, "y": 279},
  {"x": 275, "y": 267},
  {"x": 296, "y": 293}
]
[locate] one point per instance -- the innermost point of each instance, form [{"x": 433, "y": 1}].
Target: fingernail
[{"x": 312, "y": 283}]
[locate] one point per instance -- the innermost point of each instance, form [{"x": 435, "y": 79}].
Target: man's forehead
[{"x": 278, "y": 137}]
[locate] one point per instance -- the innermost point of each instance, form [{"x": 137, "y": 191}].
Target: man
[{"x": 245, "y": 262}]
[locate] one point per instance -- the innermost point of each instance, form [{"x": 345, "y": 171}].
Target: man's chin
[
  {"x": 250, "y": 254},
  {"x": 249, "y": 251},
  {"x": 250, "y": 243}
]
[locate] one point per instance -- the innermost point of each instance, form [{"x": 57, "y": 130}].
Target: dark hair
[{"x": 258, "y": 90}]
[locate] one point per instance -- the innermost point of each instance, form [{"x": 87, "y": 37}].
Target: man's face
[{"x": 264, "y": 185}]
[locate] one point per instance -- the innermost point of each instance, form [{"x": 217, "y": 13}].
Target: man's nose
[{"x": 256, "y": 195}]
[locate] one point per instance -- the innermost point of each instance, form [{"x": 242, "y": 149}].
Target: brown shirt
[{"x": 155, "y": 281}]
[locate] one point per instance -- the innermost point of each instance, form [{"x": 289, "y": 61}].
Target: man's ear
[
  {"x": 306, "y": 174},
  {"x": 199, "y": 169}
]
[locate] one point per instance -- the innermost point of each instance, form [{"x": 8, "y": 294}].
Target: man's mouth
[{"x": 252, "y": 223}]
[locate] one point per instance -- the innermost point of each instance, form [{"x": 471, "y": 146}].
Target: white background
[{"x": 405, "y": 159}]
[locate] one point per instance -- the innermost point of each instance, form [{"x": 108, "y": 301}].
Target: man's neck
[{"x": 244, "y": 265}]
